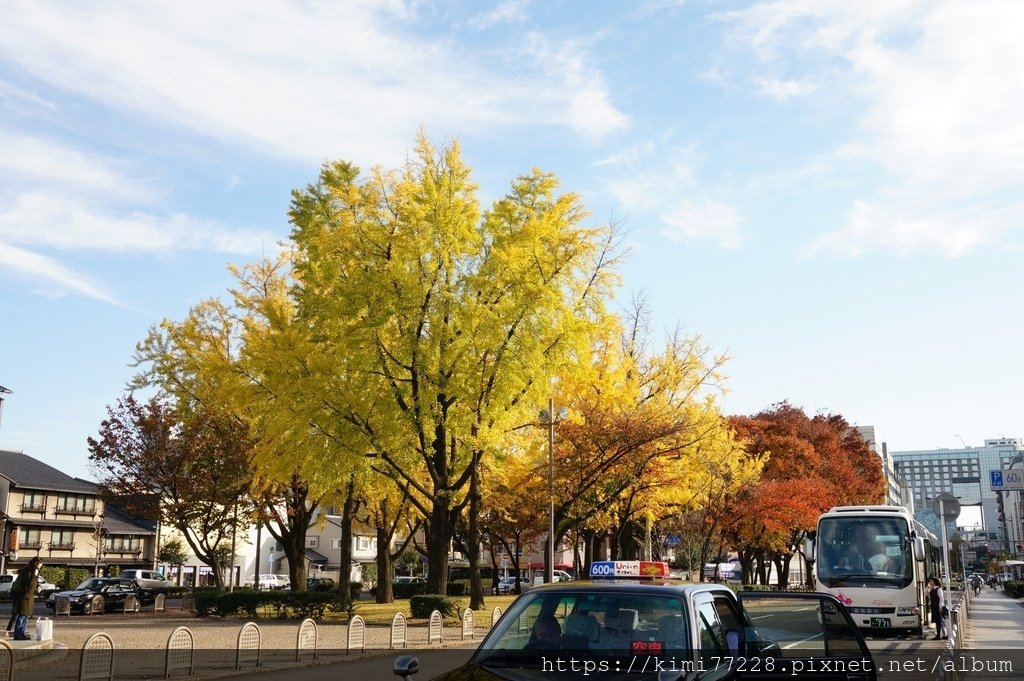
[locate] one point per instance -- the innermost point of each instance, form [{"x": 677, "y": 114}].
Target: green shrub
[
  {"x": 421, "y": 605},
  {"x": 205, "y": 601},
  {"x": 71, "y": 577}
]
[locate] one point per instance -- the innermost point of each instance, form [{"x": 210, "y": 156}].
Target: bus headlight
[{"x": 904, "y": 612}]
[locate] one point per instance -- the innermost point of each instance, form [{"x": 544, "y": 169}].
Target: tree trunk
[
  {"x": 476, "y": 591},
  {"x": 439, "y": 535},
  {"x": 348, "y": 509},
  {"x": 385, "y": 593},
  {"x": 438, "y": 539}
]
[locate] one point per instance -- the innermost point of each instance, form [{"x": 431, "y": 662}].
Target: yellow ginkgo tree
[{"x": 435, "y": 324}]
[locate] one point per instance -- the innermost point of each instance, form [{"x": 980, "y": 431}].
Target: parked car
[
  {"x": 507, "y": 585},
  {"x": 272, "y": 582},
  {"x": 147, "y": 578},
  {"x": 103, "y": 593},
  {"x": 404, "y": 579},
  {"x": 558, "y": 575},
  {"x": 321, "y": 584},
  {"x": 46, "y": 588},
  {"x": 7, "y": 581}
]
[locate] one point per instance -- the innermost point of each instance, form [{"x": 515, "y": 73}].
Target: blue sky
[{"x": 828, "y": 191}]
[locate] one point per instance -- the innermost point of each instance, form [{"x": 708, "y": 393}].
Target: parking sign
[{"x": 996, "y": 478}]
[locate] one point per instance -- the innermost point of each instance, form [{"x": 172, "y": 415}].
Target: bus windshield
[{"x": 864, "y": 549}]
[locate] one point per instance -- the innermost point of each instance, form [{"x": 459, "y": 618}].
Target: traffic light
[{"x": 999, "y": 507}]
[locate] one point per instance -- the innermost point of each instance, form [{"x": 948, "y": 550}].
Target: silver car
[{"x": 151, "y": 579}]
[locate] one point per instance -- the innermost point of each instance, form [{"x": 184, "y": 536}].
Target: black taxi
[{"x": 631, "y": 621}]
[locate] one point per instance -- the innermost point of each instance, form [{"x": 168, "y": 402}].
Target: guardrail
[
  {"x": 956, "y": 624},
  {"x": 179, "y": 658}
]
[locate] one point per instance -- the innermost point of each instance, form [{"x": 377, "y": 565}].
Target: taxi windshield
[
  {"x": 604, "y": 622},
  {"x": 92, "y": 583}
]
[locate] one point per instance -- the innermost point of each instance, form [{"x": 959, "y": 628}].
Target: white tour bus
[{"x": 876, "y": 560}]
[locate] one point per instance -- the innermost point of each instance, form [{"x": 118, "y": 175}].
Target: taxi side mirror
[{"x": 406, "y": 666}]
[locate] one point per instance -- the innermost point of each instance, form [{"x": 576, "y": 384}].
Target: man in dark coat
[{"x": 23, "y": 596}]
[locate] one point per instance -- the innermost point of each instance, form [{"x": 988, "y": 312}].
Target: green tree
[{"x": 173, "y": 552}]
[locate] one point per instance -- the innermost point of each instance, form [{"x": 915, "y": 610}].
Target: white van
[
  {"x": 272, "y": 582},
  {"x": 558, "y": 575}
]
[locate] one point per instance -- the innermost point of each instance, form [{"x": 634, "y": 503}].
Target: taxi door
[{"x": 807, "y": 636}]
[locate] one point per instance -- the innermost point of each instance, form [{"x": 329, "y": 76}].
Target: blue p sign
[{"x": 996, "y": 478}]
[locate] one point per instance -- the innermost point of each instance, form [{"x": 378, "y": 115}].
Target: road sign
[
  {"x": 1006, "y": 480},
  {"x": 946, "y": 506},
  {"x": 672, "y": 540}
]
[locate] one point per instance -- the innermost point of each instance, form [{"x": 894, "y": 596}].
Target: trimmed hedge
[
  {"x": 421, "y": 605},
  {"x": 285, "y": 604},
  {"x": 1014, "y": 588}
]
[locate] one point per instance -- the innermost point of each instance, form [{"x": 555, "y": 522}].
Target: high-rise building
[
  {"x": 965, "y": 473},
  {"x": 893, "y": 495}
]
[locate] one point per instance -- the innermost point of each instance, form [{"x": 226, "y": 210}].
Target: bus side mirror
[
  {"x": 809, "y": 550},
  {"x": 918, "y": 549}
]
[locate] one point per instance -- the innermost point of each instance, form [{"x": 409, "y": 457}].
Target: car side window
[
  {"x": 711, "y": 638},
  {"x": 728, "y": 615},
  {"x": 803, "y": 627}
]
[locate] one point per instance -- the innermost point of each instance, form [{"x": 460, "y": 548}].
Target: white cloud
[
  {"x": 47, "y": 220},
  {"x": 940, "y": 93},
  {"x": 512, "y": 11},
  {"x": 52, "y": 278},
  {"x": 946, "y": 229},
  {"x": 304, "y": 80},
  {"x": 785, "y": 89},
  {"x": 28, "y": 159},
  {"x": 653, "y": 177},
  {"x": 704, "y": 220}
]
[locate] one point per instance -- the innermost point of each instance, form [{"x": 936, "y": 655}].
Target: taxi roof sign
[{"x": 634, "y": 569}]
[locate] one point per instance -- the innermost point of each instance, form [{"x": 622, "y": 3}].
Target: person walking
[
  {"x": 23, "y": 596},
  {"x": 937, "y": 602}
]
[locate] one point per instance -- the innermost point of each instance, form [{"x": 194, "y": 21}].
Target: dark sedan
[{"x": 103, "y": 594}]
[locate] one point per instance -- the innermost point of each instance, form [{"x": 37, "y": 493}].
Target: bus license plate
[{"x": 881, "y": 622}]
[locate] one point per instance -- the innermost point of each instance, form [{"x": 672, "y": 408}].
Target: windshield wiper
[{"x": 836, "y": 581}]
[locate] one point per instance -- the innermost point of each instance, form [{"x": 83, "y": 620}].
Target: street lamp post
[{"x": 549, "y": 417}]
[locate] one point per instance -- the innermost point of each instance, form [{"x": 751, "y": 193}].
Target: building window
[
  {"x": 28, "y": 538},
  {"x": 365, "y": 544},
  {"x": 312, "y": 542},
  {"x": 62, "y": 540},
  {"x": 75, "y": 503},
  {"x": 34, "y": 502},
  {"x": 122, "y": 544},
  {"x": 336, "y": 544}
]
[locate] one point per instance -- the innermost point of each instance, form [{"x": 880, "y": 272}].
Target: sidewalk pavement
[{"x": 995, "y": 622}]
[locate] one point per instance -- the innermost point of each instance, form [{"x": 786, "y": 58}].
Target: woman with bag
[
  {"x": 23, "y": 596},
  {"x": 937, "y": 601}
]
